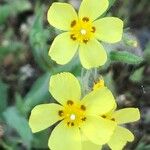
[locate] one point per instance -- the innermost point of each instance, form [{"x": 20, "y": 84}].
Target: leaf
[
  {"x": 137, "y": 75},
  {"x": 3, "y": 96},
  {"x": 19, "y": 123},
  {"x": 40, "y": 139},
  {"x": 111, "y": 2},
  {"x": 4, "y": 13},
  {"x": 147, "y": 52},
  {"x": 38, "y": 40},
  {"x": 38, "y": 94},
  {"x": 12, "y": 7},
  {"x": 20, "y": 6},
  {"x": 125, "y": 57}
]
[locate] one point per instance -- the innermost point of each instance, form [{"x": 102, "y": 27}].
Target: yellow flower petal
[
  {"x": 43, "y": 116},
  {"x": 92, "y": 54},
  {"x": 109, "y": 29},
  {"x": 99, "y": 102},
  {"x": 65, "y": 138},
  {"x": 92, "y": 8},
  {"x": 63, "y": 48},
  {"x": 97, "y": 129},
  {"x": 60, "y": 15},
  {"x": 64, "y": 87},
  {"x": 88, "y": 145},
  {"x": 120, "y": 138},
  {"x": 126, "y": 115}
]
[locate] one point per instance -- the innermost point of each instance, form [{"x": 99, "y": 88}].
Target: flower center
[
  {"x": 73, "y": 114},
  {"x": 82, "y": 30}
]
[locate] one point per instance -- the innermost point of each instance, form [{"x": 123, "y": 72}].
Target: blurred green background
[{"x": 25, "y": 68}]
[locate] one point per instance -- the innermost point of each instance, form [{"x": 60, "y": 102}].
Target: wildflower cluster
[{"x": 90, "y": 121}]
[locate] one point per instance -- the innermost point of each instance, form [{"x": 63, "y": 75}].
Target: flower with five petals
[
  {"x": 83, "y": 32},
  {"x": 74, "y": 117}
]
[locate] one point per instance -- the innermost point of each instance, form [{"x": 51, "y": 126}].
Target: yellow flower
[
  {"x": 75, "y": 117},
  {"x": 121, "y": 135},
  {"x": 99, "y": 84},
  {"x": 82, "y": 32}
]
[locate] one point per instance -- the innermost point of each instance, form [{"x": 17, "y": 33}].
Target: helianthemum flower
[
  {"x": 83, "y": 32},
  {"x": 76, "y": 118},
  {"x": 121, "y": 135}
]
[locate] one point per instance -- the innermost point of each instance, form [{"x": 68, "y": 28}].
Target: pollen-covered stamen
[
  {"x": 83, "y": 119},
  {"x": 60, "y": 113},
  {"x": 73, "y": 23},
  {"x": 93, "y": 29},
  {"x": 113, "y": 119},
  {"x": 69, "y": 102},
  {"x": 72, "y": 36},
  {"x": 83, "y": 107},
  {"x": 85, "y": 41},
  {"x": 85, "y": 19}
]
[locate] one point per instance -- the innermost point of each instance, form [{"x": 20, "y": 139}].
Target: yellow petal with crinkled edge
[
  {"x": 92, "y": 54},
  {"x": 120, "y": 138},
  {"x": 65, "y": 138},
  {"x": 92, "y": 8},
  {"x": 97, "y": 129},
  {"x": 109, "y": 29},
  {"x": 99, "y": 102},
  {"x": 63, "y": 48},
  {"x": 43, "y": 116},
  {"x": 88, "y": 145},
  {"x": 60, "y": 15},
  {"x": 126, "y": 115},
  {"x": 64, "y": 87}
]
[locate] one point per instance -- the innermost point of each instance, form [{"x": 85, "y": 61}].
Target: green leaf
[
  {"x": 3, "y": 96},
  {"x": 125, "y": 57},
  {"x": 18, "y": 6},
  {"x": 147, "y": 53},
  {"x": 38, "y": 40},
  {"x": 111, "y": 2},
  {"x": 19, "y": 123},
  {"x": 137, "y": 75},
  {"x": 4, "y": 13},
  {"x": 38, "y": 94},
  {"x": 40, "y": 139}
]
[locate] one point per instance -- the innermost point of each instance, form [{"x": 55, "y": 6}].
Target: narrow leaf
[{"x": 125, "y": 57}]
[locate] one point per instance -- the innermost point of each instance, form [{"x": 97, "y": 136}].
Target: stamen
[
  {"x": 72, "y": 116},
  {"x": 83, "y": 31},
  {"x": 103, "y": 116},
  {"x": 69, "y": 102},
  {"x": 72, "y": 124},
  {"x": 83, "y": 107},
  {"x": 72, "y": 36},
  {"x": 85, "y": 19},
  {"x": 113, "y": 119},
  {"x": 83, "y": 119},
  {"x": 68, "y": 123},
  {"x": 85, "y": 41},
  {"x": 73, "y": 23},
  {"x": 60, "y": 113},
  {"x": 93, "y": 29}
]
